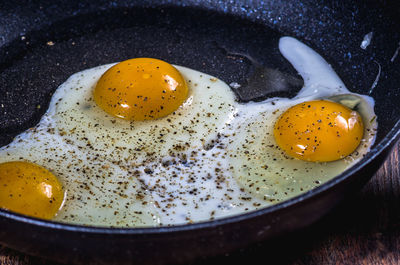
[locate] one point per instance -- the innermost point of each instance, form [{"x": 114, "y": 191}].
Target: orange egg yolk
[
  {"x": 319, "y": 131},
  {"x": 29, "y": 189},
  {"x": 141, "y": 89}
]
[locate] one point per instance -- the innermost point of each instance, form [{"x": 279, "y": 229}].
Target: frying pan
[{"x": 43, "y": 43}]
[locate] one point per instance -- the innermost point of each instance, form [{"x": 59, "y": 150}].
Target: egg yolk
[
  {"x": 319, "y": 131},
  {"x": 29, "y": 189},
  {"x": 141, "y": 89}
]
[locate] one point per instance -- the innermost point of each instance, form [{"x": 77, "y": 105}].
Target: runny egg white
[{"x": 212, "y": 157}]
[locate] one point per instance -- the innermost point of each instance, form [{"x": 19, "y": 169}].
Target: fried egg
[
  {"x": 134, "y": 173},
  {"x": 187, "y": 153},
  {"x": 268, "y": 171}
]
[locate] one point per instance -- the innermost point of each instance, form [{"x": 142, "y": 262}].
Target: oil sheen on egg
[{"x": 211, "y": 158}]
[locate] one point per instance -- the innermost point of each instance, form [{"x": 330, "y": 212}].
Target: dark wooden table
[{"x": 364, "y": 230}]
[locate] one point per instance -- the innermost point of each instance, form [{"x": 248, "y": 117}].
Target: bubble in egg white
[{"x": 212, "y": 158}]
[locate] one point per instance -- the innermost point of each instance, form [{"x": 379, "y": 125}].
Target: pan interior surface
[{"x": 233, "y": 44}]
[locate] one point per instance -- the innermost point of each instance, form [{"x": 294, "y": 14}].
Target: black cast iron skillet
[{"x": 43, "y": 43}]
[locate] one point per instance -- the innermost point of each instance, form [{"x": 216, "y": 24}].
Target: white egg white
[{"x": 212, "y": 158}]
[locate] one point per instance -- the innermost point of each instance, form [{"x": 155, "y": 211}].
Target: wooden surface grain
[{"x": 364, "y": 230}]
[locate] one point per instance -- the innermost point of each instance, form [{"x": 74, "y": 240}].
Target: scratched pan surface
[{"x": 42, "y": 44}]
